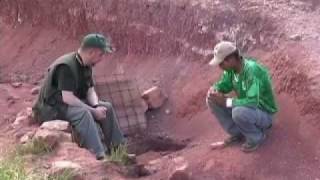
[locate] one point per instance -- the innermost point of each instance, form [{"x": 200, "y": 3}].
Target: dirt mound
[{"x": 167, "y": 43}]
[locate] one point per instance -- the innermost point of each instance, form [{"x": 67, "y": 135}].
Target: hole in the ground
[{"x": 142, "y": 143}]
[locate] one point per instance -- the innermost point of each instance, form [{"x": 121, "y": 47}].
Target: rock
[
  {"x": 180, "y": 175},
  {"x": 134, "y": 171},
  {"x": 35, "y": 90},
  {"x": 23, "y": 118},
  {"x": 51, "y": 138},
  {"x": 20, "y": 121},
  {"x": 11, "y": 99},
  {"x": 154, "y": 97},
  {"x": 68, "y": 167},
  {"x": 132, "y": 158},
  {"x": 296, "y": 37},
  {"x": 56, "y": 125},
  {"x": 16, "y": 84},
  {"x": 11, "y": 102},
  {"x": 27, "y": 137},
  {"x": 27, "y": 112},
  {"x": 65, "y": 137},
  {"x": 181, "y": 169}
]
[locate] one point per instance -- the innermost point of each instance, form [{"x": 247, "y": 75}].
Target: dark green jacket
[{"x": 49, "y": 104}]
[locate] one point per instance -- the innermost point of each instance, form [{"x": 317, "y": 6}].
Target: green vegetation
[
  {"x": 65, "y": 175},
  {"x": 37, "y": 147},
  {"x": 12, "y": 168},
  {"x": 119, "y": 155}
]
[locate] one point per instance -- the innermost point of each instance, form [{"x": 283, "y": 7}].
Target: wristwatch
[{"x": 95, "y": 106}]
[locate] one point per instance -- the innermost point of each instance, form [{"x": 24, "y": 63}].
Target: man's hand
[
  {"x": 100, "y": 112},
  {"x": 212, "y": 93},
  {"x": 216, "y": 97}
]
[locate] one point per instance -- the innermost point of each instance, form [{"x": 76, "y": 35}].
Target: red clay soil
[{"x": 166, "y": 43}]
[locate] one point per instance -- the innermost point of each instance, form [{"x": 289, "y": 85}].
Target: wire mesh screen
[{"x": 125, "y": 96}]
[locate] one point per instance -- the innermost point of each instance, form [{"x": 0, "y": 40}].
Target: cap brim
[
  {"x": 108, "y": 49},
  {"x": 215, "y": 61}
]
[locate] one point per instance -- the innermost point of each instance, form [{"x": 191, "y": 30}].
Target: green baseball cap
[{"x": 95, "y": 40}]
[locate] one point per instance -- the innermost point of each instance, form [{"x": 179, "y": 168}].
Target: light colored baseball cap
[{"x": 221, "y": 51}]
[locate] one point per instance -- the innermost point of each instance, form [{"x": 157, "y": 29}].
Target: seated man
[
  {"x": 250, "y": 114},
  {"x": 68, "y": 94}
]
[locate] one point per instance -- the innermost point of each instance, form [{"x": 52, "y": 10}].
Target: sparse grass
[
  {"x": 12, "y": 168},
  {"x": 67, "y": 174},
  {"x": 119, "y": 155},
  {"x": 37, "y": 147}
]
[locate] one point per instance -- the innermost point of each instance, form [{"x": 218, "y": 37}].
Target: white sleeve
[{"x": 229, "y": 102}]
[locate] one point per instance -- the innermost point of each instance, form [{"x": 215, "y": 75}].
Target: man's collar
[{"x": 79, "y": 59}]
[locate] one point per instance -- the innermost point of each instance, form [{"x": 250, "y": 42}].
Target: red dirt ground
[{"x": 166, "y": 43}]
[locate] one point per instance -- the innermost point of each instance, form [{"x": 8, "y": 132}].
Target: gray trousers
[
  {"x": 250, "y": 122},
  {"x": 84, "y": 124}
]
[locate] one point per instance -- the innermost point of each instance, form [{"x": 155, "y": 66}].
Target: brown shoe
[
  {"x": 248, "y": 147},
  {"x": 234, "y": 140},
  {"x": 227, "y": 142}
]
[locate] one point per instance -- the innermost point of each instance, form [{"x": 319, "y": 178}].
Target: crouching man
[
  {"x": 247, "y": 116},
  {"x": 68, "y": 94}
]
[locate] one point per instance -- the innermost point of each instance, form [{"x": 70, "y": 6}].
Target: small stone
[
  {"x": 135, "y": 171},
  {"x": 19, "y": 121},
  {"x": 296, "y": 37},
  {"x": 16, "y": 84},
  {"x": 26, "y": 112},
  {"x": 143, "y": 171},
  {"x": 154, "y": 97},
  {"x": 132, "y": 158},
  {"x": 180, "y": 175},
  {"x": 47, "y": 166},
  {"x": 65, "y": 164},
  {"x": 12, "y": 97},
  {"x": 60, "y": 167},
  {"x": 11, "y": 102},
  {"x": 27, "y": 137},
  {"x": 23, "y": 118},
  {"x": 35, "y": 83},
  {"x": 35, "y": 90}
]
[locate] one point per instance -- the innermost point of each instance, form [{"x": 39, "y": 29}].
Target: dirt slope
[{"x": 167, "y": 43}]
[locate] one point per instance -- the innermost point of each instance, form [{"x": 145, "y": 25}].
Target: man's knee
[{"x": 241, "y": 114}]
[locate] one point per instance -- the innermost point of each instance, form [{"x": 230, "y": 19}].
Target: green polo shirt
[{"x": 253, "y": 86}]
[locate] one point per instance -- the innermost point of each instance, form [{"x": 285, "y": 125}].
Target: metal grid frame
[{"x": 125, "y": 97}]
